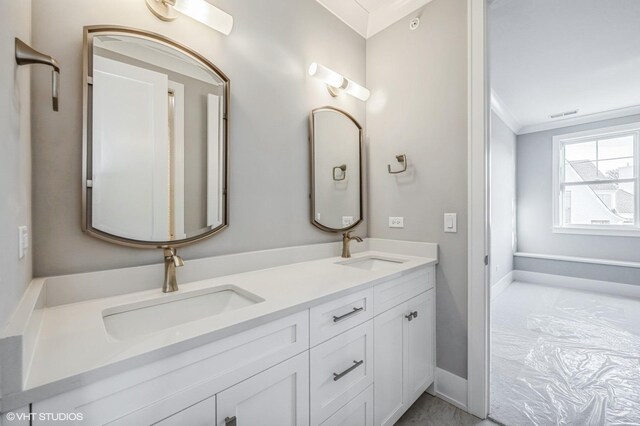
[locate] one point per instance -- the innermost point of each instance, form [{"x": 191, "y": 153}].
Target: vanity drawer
[
  {"x": 337, "y": 316},
  {"x": 341, "y": 368},
  {"x": 399, "y": 290}
]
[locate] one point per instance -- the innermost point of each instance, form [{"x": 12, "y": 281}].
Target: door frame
[{"x": 478, "y": 208}]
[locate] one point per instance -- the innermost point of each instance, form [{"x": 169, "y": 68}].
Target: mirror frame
[
  {"x": 87, "y": 128},
  {"x": 314, "y": 222}
]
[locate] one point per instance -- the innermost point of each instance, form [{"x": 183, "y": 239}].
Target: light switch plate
[
  {"x": 396, "y": 222},
  {"x": 23, "y": 241},
  {"x": 450, "y": 222}
]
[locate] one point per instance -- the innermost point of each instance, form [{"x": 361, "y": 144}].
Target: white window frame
[{"x": 559, "y": 141}]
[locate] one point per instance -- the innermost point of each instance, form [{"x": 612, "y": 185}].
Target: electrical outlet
[
  {"x": 396, "y": 222},
  {"x": 23, "y": 241}
]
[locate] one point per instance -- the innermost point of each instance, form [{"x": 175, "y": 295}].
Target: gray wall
[
  {"x": 418, "y": 107},
  {"x": 534, "y": 223},
  {"x": 15, "y": 153},
  {"x": 266, "y": 57},
  {"x": 503, "y": 198}
]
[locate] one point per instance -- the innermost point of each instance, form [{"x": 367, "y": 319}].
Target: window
[{"x": 595, "y": 181}]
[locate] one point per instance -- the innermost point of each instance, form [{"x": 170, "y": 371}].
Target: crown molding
[
  {"x": 390, "y": 13},
  {"x": 368, "y": 23},
  {"x": 500, "y": 109},
  {"x": 583, "y": 119},
  {"x": 498, "y": 106}
]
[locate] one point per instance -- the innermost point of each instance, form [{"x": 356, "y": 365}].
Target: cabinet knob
[
  {"x": 415, "y": 314},
  {"x": 230, "y": 421},
  {"x": 409, "y": 316}
]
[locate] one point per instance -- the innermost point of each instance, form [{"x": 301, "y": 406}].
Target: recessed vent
[{"x": 564, "y": 114}]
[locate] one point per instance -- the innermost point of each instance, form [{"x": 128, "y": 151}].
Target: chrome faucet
[
  {"x": 171, "y": 262},
  {"x": 346, "y": 239}
]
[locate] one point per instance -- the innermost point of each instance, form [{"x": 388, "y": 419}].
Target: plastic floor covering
[{"x": 564, "y": 357}]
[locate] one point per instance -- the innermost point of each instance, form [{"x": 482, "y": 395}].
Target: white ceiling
[
  {"x": 551, "y": 56},
  {"x": 368, "y": 17}
]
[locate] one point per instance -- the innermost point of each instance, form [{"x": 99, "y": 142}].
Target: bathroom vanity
[
  {"x": 326, "y": 341},
  {"x": 292, "y": 336}
]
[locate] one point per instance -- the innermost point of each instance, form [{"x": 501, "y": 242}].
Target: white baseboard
[
  {"x": 596, "y": 286},
  {"x": 501, "y": 285},
  {"x": 451, "y": 388}
]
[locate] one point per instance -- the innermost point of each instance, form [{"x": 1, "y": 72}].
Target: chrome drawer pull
[
  {"x": 355, "y": 365},
  {"x": 347, "y": 315},
  {"x": 230, "y": 421}
]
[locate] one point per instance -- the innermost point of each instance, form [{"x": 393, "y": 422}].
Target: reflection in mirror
[
  {"x": 156, "y": 140},
  {"x": 336, "y": 170}
]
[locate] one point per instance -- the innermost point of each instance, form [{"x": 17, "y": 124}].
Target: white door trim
[{"x": 478, "y": 283}]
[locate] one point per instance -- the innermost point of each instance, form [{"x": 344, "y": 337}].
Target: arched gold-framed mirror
[
  {"x": 155, "y": 140},
  {"x": 336, "y": 145}
]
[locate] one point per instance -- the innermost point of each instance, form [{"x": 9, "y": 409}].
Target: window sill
[
  {"x": 611, "y": 232},
  {"x": 575, "y": 259}
]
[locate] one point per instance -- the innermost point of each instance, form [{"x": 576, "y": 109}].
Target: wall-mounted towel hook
[
  {"x": 343, "y": 168},
  {"x": 26, "y": 55},
  {"x": 401, "y": 159}
]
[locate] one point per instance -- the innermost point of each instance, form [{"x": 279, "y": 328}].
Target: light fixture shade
[
  {"x": 357, "y": 91},
  {"x": 326, "y": 75},
  {"x": 336, "y": 81},
  {"x": 206, "y": 13}
]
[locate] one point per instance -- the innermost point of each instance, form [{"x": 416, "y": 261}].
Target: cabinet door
[
  {"x": 277, "y": 396},
  {"x": 388, "y": 357},
  {"x": 404, "y": 353},
  {"x": 420, "y": 346}
]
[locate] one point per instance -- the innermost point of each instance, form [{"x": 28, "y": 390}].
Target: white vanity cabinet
[
  {"x": 401, "y": 332},
  {"x": 159, "y": 390},
  {"x": 404, "y": 356},
  {"x": 360, "y": 359}
]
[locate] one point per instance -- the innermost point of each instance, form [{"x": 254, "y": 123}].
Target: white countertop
[{"x": 73, "y": 347}]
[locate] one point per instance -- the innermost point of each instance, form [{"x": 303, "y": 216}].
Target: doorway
[{"x": 564, "y": 212}]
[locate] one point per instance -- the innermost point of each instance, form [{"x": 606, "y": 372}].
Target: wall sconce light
[
  {"x": 336, "y": 82},
  {"x": 199, "y": 10}
]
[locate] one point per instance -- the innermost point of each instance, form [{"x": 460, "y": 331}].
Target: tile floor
[
  {"x": 564, "y": 357},
  {"x": 431, "y": 411}
]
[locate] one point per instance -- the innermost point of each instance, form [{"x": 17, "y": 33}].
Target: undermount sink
[
  {"x": 149, "y": 316},
  {"x": 372, "y": 263}
]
